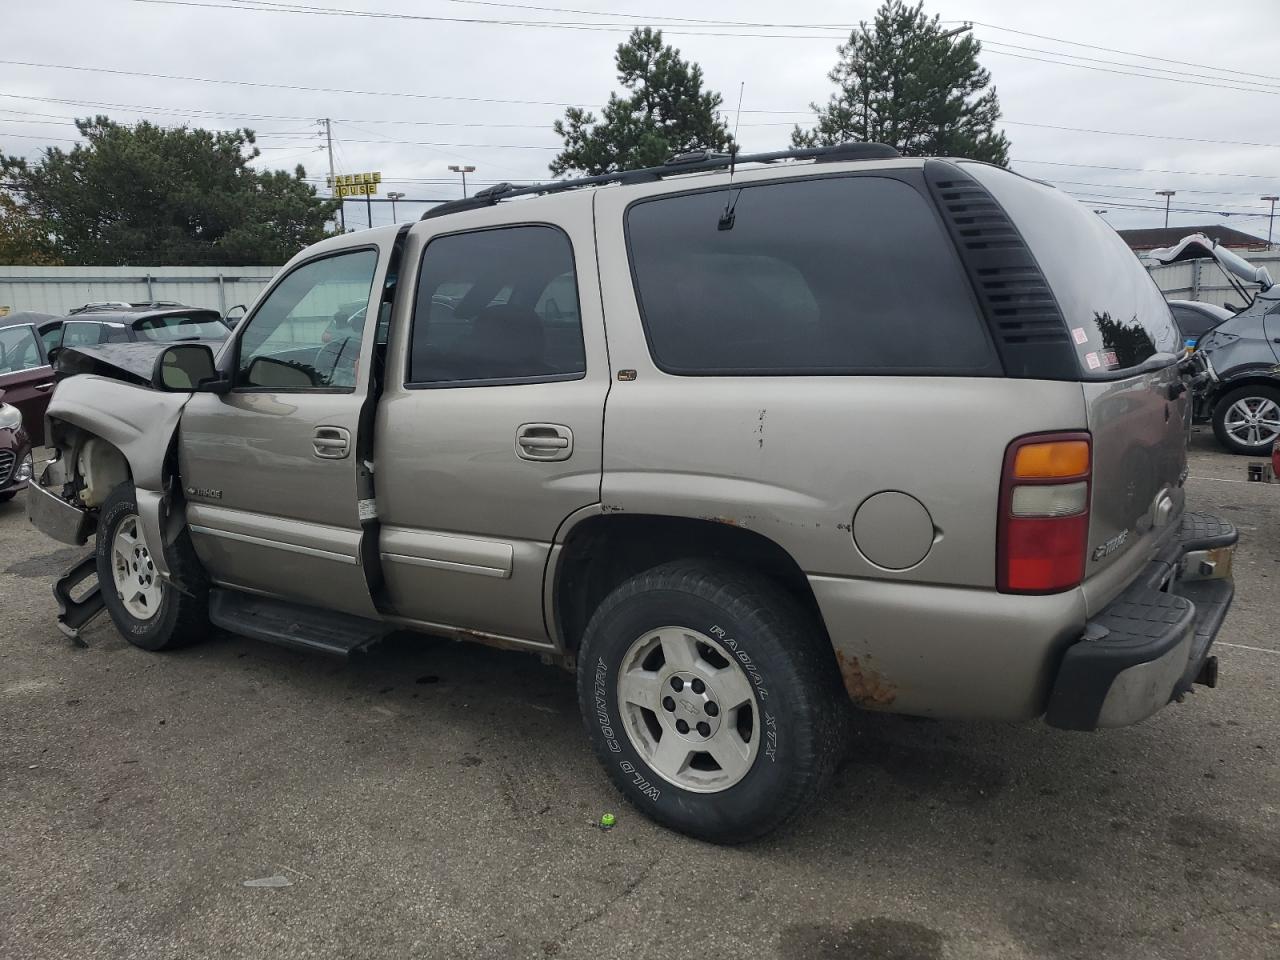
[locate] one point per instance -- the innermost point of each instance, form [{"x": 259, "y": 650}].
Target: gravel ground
[{"x": 438, "y": 800}]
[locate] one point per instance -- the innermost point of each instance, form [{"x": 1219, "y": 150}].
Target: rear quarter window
[
  {"x": 1115, "y": 313},
  {"x": 836, "y": 275}
]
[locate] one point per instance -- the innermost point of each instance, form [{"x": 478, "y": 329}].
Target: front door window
[{"x": 306, "y": 335}]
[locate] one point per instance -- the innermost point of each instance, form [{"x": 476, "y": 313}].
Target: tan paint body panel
[
  {"x": 279, "y": 507},
  {"x": 455, "y": 500}
]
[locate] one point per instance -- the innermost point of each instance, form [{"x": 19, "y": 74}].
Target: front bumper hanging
[{"x": 1151, "y": 643}]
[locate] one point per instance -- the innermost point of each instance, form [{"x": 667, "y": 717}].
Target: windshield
[{"x": 204, "y": 326}]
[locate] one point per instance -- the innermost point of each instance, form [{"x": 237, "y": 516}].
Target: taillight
[{"x": 1043, "y": 530}]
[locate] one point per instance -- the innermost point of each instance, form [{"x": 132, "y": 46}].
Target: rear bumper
[{"x": 1150, "y": 644}]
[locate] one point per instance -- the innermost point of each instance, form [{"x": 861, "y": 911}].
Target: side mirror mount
[{"x": 187, "y": 366}]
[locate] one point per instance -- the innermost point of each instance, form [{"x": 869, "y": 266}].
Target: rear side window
[
  {"x": 497, "y": 306},
  {"x": 1115, "y": 313},
  {"x": 830, "y": 276},
  {"x": 80, "y": 333}
]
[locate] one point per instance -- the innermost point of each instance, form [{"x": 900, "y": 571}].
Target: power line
[
  {"x": 1127, "y": 53},
  {"x": 153, "y": 108},
  {"x": 1122, "y": 73},
  {"x": 1178, "y": 75},
  {"x": 648, "y": 18},
  {"x": 544, "y": 24},
  {"x": 1188, "y": 173},
  {"x": 282, "y": 86},
  {"x": 1144, "y": 136}
]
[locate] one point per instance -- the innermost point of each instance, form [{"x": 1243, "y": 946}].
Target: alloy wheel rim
[
  {"x": 134, "y": 571},
  {"x": 689, "y": 709},
  {"x": 1254, "y": 421}
]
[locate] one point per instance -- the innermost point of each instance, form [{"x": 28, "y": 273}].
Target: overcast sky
[{"x": 1224, "y": 87}]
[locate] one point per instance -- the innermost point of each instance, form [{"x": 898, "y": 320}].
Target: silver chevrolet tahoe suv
[{"x": 740, "y": 440}]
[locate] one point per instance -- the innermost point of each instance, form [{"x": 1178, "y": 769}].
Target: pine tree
[
  {"x": 665, "y": 112},
  {"x": 904, "y": 82}
]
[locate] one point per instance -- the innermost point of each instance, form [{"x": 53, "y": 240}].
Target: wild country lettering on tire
[{"x": 606, "y": 727}]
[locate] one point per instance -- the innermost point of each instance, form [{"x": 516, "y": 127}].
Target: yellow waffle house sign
[{"x": 355, "y": 184}]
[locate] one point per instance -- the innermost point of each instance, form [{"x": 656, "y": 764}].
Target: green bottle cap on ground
[{"x": 608, "y": 820}]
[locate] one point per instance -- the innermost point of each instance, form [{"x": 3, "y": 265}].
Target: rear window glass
[
  {"x": 1116, "y": 315},
  {"x": 829, "y": 276},
  {"x": 197, "y": 327}
]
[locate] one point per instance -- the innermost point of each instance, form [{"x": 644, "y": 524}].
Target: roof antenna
[{"x": 731, "y": 204}]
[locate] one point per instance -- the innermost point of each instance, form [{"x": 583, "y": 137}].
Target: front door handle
[
  {"x": 544, "y": 441},
  {"x": 43, "y": 387},
  {"x": 331, "y": 443}
]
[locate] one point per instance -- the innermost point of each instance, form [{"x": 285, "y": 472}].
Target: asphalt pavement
[{"x": 434, "y": 799}]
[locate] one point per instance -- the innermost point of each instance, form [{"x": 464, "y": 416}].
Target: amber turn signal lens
[{"x": 1056, "y": 460}]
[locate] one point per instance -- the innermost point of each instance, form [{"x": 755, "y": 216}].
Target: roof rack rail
[{"x": 691, "y": 162}]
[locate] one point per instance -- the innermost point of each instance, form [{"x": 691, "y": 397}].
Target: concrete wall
[{"x": 57, "y": 290}]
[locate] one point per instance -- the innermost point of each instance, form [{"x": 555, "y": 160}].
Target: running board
[
  {"x": 74, "y": 615},
  {"x": 293, "y": 624}
]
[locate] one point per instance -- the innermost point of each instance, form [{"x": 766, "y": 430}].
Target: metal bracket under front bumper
[
  {"x": 1151, "y": 643},
  {"x": 74, "y": 615}
]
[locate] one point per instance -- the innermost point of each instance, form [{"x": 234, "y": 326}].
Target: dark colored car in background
[
  {"x": 1195, "y": 318},
  {"x": 15, "y": 452},
  {"x": 1239, "y": 391},
  {"x": 127, "y": 323},
  {"x": 26, "y": 378}
]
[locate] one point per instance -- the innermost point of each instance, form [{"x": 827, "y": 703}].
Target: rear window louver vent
[{"x": 1021, "y": 309}]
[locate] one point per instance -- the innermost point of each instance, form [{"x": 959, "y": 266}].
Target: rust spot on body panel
[
  {"x": 867, "y": 687},
  {"x": 727, "y": 521}
]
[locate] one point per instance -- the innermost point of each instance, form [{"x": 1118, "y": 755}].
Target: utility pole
[
  {"x": 464, "y": 171},
  {"x": 328, "y": 135},
  {"x": 1166, "y": 194},
  {"x": 393, "y": 196},
  {"x": 1271, "y": 218}
]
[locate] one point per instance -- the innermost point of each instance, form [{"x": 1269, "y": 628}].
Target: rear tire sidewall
[
  {"x": 157, "y": 632},
  {"x": 766, "y": 793},
  {"x": 1220, "y": 414}
]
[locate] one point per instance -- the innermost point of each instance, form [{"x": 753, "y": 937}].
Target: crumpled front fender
[{"x": 138, "y": 421}]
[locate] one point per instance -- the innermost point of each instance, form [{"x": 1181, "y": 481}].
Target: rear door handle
[
  {"x": 331, "y": 443},
  {"x": 43, "y": 387},
  {"x": 544, "y": 441}
]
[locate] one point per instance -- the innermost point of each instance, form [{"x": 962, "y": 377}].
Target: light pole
[
  {"x": 464, "y": 171},
  {"x": 1271, "y": 218},
  {"x": 1166, "y": 194},
  {"x": 393, "y": 196}
]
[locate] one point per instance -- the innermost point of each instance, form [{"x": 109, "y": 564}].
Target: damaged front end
[{"x": 107, "y": 426}]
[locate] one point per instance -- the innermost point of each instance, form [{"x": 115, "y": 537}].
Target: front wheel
[
  {"x": 712, "y": 699},
  {"x": 1247, "y": 420},
  {"x": 149, "y": 612}
]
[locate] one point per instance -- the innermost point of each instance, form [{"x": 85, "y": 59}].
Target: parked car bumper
[
  {"x": 1151, "y": 643},
  {"x": 15, "y": 461}
]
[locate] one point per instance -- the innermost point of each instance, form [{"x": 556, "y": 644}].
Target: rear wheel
[
  {"x": 148, "y": 611},
  {"x": 1247, "y": 420},
  {"x": 712, "y": 699}
]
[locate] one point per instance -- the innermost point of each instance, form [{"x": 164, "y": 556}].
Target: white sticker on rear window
[
  {"x": 1078, "y": 334},
  {"x": 1092, "y": 360}
]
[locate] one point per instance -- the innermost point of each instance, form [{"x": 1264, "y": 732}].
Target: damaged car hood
[{"x": 131, "y": 362}]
